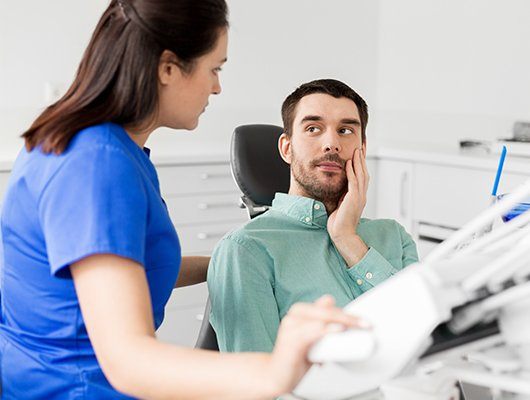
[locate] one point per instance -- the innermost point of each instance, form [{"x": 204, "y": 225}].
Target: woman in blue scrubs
[{"x": 90, "y": 253}]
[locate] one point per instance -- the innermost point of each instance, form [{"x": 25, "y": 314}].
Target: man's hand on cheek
[{"x": 342, "y": 223}]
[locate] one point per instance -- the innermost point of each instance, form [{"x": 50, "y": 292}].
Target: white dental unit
[{"x": 466, "y": 318}]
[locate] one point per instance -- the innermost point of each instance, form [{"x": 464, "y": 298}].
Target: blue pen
[{"x": 499, "y": 171}]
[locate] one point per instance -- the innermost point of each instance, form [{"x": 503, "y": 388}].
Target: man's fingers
[
  {"x": 350, "y": 174},
  {"x": 358, "y": 169},
  {"x": 365, "y": 169}
]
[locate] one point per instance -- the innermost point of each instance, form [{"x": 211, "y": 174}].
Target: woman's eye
[
  {"x": 217, "y": 70},
  {"x": 346, "y": 131}
]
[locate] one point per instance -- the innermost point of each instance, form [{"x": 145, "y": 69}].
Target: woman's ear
[
  {"x": 284, "y": 146},
  {"x": 168, "y": 68}
]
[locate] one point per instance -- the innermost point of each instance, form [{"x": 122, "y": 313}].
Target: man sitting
[{"x": 312, "y": 241}]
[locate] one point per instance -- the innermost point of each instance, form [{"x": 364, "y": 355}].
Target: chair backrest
[
  {"x": 260, "y": 172},
  {"x": 207, "y": 340},
  {"x": 257, "y": 167}
]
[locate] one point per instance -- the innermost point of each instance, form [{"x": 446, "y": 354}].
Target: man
[{"x": 313, "y": 240}]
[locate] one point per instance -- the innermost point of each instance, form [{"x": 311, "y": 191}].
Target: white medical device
[{"x": 463, "y": 314}]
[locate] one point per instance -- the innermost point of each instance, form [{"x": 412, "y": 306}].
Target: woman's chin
[{"x": 187, "y": 126}]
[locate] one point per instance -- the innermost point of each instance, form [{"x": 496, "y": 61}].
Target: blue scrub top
[{"x": 100, "y": 196}]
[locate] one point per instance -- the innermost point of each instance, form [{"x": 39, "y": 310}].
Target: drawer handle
[
  {"x": 206, "y": 206},
  {"x": 205, "y": 176},
  {"x": 403, "y": 200},
  {"x": 204, "y": 235}
]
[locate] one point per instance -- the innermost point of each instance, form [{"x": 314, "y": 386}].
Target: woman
[{"x": 90, "y": 254}]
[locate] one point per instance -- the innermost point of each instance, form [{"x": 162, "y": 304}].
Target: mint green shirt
[{"x": 284, "y": 256}]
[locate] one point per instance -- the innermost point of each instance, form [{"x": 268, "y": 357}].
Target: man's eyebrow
[
  {"x": 350, "y": 121},
  {"x": 224, "y": 60},
  {"x": 311, "y": 118}
]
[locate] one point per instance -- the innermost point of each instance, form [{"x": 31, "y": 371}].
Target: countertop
[
  {"x": 477, "y": 158},
  {"x": 417, "y": 153},
  {"x": 210, "y": 156}
]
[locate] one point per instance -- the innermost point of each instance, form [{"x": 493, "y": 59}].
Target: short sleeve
[{"x": 95, "y": 203}]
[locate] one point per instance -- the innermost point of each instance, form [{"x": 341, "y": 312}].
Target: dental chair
[{"x": 259, "y": 172}]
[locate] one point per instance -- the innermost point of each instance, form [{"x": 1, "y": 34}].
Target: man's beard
[{"x": 308, "y": 178}]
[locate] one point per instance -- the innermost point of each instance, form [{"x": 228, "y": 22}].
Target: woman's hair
[{"x": 117, "y": 79}]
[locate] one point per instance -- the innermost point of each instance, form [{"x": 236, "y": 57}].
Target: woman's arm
[
  {"x": 115, "y": 302},
  {"x": 193, "y": 270}
]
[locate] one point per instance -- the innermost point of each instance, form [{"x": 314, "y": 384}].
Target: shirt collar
[{"x": 308, "y": 211}]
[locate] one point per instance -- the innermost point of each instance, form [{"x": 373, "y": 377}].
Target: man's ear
[
  {"x": 284, "y": 146},
  {"x": 364, "y": 147},
  {"x": 168, "y": 68}
]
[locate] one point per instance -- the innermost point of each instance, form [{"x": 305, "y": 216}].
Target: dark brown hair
[
  {"x": 332, "y": 87},
  {"x": 117, "y": 79}
]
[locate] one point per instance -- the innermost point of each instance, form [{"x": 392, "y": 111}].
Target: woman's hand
[{"x": 303, "y": 325}]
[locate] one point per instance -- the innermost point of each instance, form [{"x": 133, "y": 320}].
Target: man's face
[{"x": 325, "y": 132}]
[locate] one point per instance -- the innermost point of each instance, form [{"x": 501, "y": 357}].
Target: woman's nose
[{"x": 217, "y": 87}]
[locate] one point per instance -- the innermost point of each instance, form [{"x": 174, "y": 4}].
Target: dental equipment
[{"x": 463, "y": 314}]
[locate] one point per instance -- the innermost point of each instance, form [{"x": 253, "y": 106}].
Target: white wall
[
  {"x": 274, "y": 46},
  {"x": 451, "y": 69},
  {"x": 40, "y": 42},
  {"x": 432, "y": 71}
]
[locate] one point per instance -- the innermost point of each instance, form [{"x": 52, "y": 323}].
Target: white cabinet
[
  {"x": 370, "y": 209},
  {"x": 432, "y": 199},
  {"x": 450, "y": 196},
  {"x": 203, "y": 202},
  {"x": 394, "y": 191}
]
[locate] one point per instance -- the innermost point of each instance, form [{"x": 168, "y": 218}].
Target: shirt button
[
  {"x": 317, "y": 206},
  {"x": 359, "y": 282},
  {"x": 307, "y": 219},
  {"x": 369, "y": 275}
]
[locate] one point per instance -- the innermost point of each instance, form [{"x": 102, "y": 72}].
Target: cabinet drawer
[
  {"x": 188, "y": 296},
  {"x": 183, "y": 315},
  {"x": 176, "y": 180},
  {"x": 201, "y": 239},
  {"x": 394, "y": 191},
  {"x": 181, "y": 327},
  {"x": 452, "y": 196},
  {"x": 206, "y": 208}
]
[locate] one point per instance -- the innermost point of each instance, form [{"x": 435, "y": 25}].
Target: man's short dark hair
[{"x": 332, "y": 87}]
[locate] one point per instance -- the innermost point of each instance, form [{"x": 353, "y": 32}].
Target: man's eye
[
  {"x": 313, "y": 129},
  {"x": 346, "y": 131},
  {"x": 217, "y": 70}
]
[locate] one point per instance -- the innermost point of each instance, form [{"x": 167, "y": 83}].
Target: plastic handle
[{"x": 403, "y": 200}]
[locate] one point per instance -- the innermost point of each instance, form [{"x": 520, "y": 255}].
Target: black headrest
[{"x": 256, "y": 164}]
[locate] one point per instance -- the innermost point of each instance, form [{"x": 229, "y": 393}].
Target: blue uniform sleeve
[{"x": 95, "y": 203}]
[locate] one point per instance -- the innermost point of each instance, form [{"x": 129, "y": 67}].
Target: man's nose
[{"x": 331, "y": 144}]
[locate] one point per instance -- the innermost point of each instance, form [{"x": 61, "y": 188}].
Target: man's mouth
[{"x": 329, "y": 166}]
